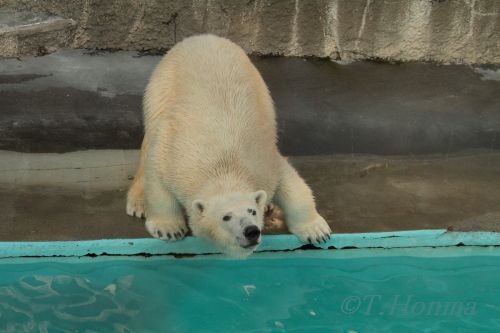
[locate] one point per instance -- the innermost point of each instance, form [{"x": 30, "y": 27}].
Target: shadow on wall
[{"x": 323, "y": 107}]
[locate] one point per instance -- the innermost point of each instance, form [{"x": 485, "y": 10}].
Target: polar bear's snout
[
  {"x": 252, "y": 235},
  {"x": 247, "y": 232}
]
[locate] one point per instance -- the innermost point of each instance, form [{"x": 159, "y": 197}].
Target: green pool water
[{"x": 419, "y": 290}]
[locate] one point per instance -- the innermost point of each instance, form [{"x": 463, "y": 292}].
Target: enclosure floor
[
  {"x": 81, "y": 195},
  {"x": 432, "y": 131}
]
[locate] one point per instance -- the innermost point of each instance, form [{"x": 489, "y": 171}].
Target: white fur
[{"x": 210, "y": 145}]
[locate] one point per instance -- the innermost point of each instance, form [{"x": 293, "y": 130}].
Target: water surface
[{"x": 313, "y": 291}]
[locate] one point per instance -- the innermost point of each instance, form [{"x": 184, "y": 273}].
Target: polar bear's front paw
[
  {"x": 166, "y": 229},
  {"x": 135, "y": 206},
  {"x": 315, "y": 231}
]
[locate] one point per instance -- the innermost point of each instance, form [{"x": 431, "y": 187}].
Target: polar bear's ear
[
  {"x": 199, "y": 207},
  {"x": 260, "y": 198}
]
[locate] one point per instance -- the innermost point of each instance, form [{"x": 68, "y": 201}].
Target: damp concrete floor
[
  {"x": 384, "y": 146},
  {"x": 81, "y": 195}
]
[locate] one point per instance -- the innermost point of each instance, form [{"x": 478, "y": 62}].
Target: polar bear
[{"x": 210, "y": 156}]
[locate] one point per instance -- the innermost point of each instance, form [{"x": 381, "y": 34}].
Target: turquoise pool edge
[{"x": 191, "y": 245}]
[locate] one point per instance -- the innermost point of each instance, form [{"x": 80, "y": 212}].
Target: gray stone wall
[{"x": 449, "y": 31}]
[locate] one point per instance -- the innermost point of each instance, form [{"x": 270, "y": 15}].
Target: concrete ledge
[{"x": 25, "y": 33}]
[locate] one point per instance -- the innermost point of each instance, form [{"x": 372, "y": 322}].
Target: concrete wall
[{"x": 457, "y": 31}]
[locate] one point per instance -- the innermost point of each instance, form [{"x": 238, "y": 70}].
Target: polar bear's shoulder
[
  {"x": 206, "y": 46},
  {"x": 206, "y": 40}
]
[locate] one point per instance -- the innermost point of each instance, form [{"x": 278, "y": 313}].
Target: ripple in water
[{"x": 64, "y": 303}]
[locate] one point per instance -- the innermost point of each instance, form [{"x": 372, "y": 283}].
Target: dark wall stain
[
  {"x": 322, "y": 107},
  {"x": 20, "y": 78}
]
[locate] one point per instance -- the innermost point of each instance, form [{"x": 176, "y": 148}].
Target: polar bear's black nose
[{"x": 251, "y": 233}]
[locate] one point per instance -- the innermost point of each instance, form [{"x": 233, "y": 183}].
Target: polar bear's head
[{"x": 232, "y": 221}]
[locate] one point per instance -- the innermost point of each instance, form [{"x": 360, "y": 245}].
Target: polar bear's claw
[
  {"x": 314, "y": 232},
  {"x": 135, "y": 207},
  {"x": 170, "y": 230}
]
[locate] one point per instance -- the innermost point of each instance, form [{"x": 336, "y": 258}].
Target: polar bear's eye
[
  {"x": 252, "y": 211},
  {"x": 226, "y": 217}
]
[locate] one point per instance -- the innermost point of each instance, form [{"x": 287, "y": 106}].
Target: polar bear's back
[{"x": 210, "y": 109}]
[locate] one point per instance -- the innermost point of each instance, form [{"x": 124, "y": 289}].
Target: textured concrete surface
[
  {"x": 458, "y": 31},
  {"x": 74, "y": 100},
  {"x": 81, "y": 195},
  {"x": 26, "y": 33}
]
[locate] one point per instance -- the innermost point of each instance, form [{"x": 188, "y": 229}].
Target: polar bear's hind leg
[{"x": 135, "y": 195}]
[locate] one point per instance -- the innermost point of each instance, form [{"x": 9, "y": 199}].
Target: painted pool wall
[{"x": 192, "y": 245}]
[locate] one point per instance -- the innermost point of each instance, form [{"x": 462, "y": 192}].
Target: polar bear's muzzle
[{"x": 252, "y": 236}]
